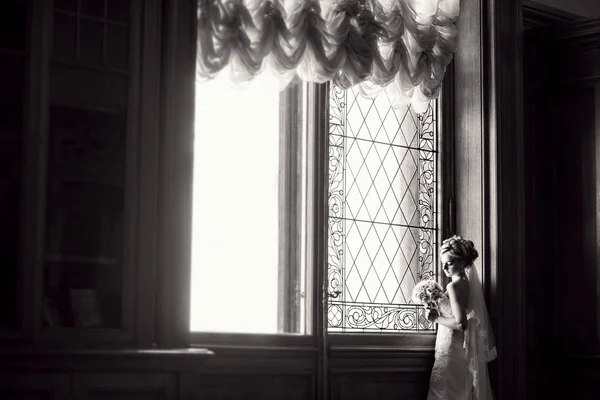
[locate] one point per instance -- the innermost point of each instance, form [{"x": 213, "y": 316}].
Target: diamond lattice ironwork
[{"x": 382, "y": 213}]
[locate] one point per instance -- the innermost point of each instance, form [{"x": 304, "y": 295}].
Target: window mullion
[
  {"x": 290, "y": 293},
  {"x": 316, "y": 103}
]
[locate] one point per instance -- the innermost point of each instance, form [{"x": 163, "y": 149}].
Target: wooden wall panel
[
  {"x": 562, "y": 134},
  {"x": 262, "y": 386},
  {"x": 489, "y": 165},
  {"x": 34, "y": 386},
  {"x": 125, "y": 386},
  {"x": 379, "y": 373},
  {"x": 405, "y": 385},
  {"x": 576, "y": 269}
]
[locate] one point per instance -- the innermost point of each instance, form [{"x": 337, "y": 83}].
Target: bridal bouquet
[{"x": 427, "y": 292}]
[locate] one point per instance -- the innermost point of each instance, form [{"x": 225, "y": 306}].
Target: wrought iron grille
[{"x": 382, "y": 212}]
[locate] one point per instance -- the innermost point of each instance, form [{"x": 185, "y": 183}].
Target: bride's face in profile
[{"x": 451, "y": 266}]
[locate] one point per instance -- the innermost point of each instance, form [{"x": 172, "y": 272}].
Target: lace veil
[{"x": 479, "y": 342}]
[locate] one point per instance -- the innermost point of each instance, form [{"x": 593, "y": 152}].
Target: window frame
[
  {"x": 315, "y": 98},
  {"x": 446, "y": 205},
  {"x": 296, "y": 101}
]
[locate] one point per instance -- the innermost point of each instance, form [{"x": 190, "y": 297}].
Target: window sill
[
  {"x": 417, "y": 344},
  {"x": 250, "y": 340},
  {"x": 108, "y": 359},
  {"x": 420, "y": 341},
  {"x": 380, "y": 352}
]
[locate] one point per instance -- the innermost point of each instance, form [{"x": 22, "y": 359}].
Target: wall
[{"x": 562, "y": 134}]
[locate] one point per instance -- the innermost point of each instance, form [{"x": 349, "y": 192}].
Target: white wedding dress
[
  {"x": 450, "y": 377},
  {"x": 460, "y": 370}
]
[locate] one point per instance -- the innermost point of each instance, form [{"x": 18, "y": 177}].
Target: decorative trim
[
  {"x": 148, "y": 182},
  {"x": 105, "y": 359},
  {"x": 503, "y": 185},
  {"x": 578, "y": 35},
  {"x": 261, "y": 351},
  {"x": 536, "y": 15},
  {"x": 401, "y": 374},
  {"x": 377, "y": 352},
  {"x": 391, "y": 341}
]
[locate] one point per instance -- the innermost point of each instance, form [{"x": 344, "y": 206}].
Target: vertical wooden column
[
  {"x": 488, "y": 169},
  {"x": 178, "y": 77}
]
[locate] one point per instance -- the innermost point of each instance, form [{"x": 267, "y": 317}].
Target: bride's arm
[{"x": 459, "y": 322}]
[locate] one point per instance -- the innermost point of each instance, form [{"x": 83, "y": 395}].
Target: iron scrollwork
[{"x": 362, "y": 312}]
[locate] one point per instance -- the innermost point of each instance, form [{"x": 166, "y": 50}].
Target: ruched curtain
[{"x": 402, "y": 45}]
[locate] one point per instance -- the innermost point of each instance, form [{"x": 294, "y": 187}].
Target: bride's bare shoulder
[{"x": 460, "y": 287}]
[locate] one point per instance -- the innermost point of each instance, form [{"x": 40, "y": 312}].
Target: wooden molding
[
  {"x": 579, "y": 35},
  {"x": 536, "y": 15},
  {"x": 77, "y": 360},
  {"x": 505, "y": 187},
  {"x": 379, "y": 352},
  {"x": 573, "y": 52},
  {"x": 148, "y": 185},
  {"x": 489, "y": 180}
]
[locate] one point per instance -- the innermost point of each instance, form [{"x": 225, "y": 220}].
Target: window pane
[
  {"x": 382, "y": 212},
  {"x": 84, "y": 227},
  {"x": 237, "y": 264}
]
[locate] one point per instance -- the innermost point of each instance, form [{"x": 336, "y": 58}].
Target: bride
[{"x": 465, "y": 342}]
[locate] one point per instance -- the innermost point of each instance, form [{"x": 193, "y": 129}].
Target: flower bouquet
[{"x": 427, "y": 292}]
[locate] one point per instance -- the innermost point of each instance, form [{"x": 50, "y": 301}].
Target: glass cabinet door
[{"x": 85, "y": 284}]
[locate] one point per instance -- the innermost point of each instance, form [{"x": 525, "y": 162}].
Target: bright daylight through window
[
  {"x": 383, "y": 219},
  {"x": 235, "y": 209}
]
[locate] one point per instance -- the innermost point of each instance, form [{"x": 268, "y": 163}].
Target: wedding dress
[
  {"x": 450, "y": 377},
  {"x": 460, "y": 368}
]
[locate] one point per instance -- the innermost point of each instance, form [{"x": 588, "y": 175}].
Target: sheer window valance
[{"x": 404, "y": 45}]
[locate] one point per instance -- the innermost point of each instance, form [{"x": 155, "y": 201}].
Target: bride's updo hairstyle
[{"x": 460, "y": 249}]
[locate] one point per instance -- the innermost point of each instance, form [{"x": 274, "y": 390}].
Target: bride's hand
[{"x": 431, "y": 314}]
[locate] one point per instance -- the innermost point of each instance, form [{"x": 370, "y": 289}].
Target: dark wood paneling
[
  {"x": 272, "y": 386},
  {"x": 507, "y": 201},
  {"x": 536, "y": 15},
  {"x": 541, "y": 206},
  {"x": 100, "y": 374},
  {"x": 488, "y": 169},
  {"x": 562, "y": 130},
  {"x": 407, "y": 385},
  {"x": 379, "y": 373},
  {"x": 34, "y": 386},
  {"x": 107, "y": 360},
  {"x": 575, "y": 265},
  {"x": 13, "y": 63},
  {"x": 586, "y": 384},
  {"x": 173, "y": 252},
  {"x": 257, "y": 373},
  {"x": 125, "y": 386}
]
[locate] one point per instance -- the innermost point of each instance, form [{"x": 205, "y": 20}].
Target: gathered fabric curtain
[{"x": 401, "y": 45}]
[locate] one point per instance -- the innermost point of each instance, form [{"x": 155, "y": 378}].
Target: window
[
  {"x": 249, "y": 273},
  {"x": 382, "y": 212},
  {"x": 253, "y": 175}
]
